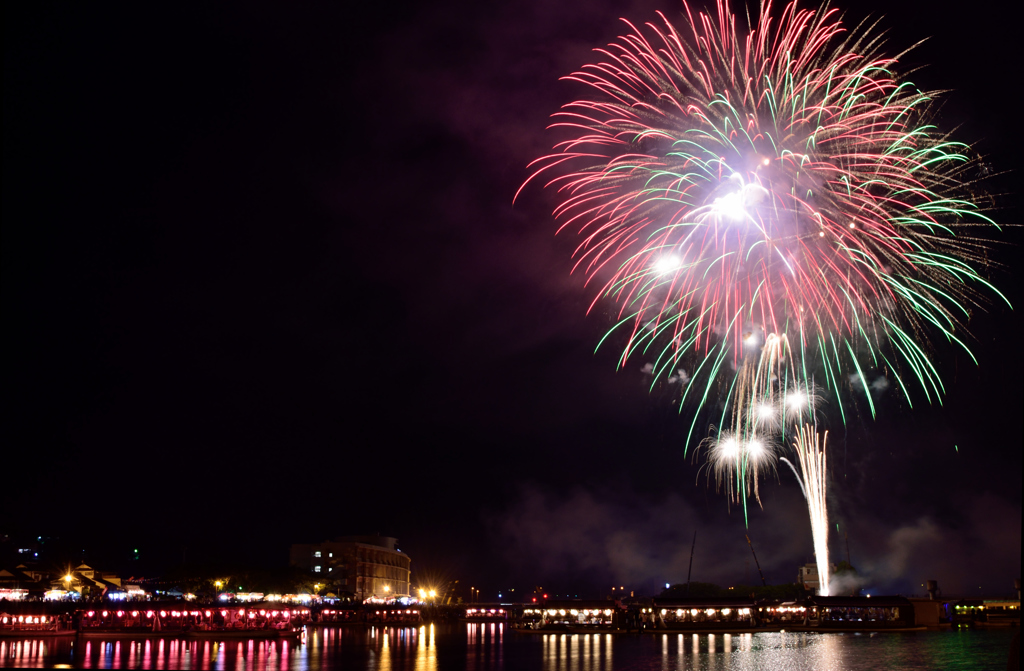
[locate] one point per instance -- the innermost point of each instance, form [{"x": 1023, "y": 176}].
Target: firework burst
[
  {"x": 768, "y": 206},
  {"x": 729, "y": 183}
]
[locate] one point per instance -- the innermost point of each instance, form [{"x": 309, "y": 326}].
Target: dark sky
[{"x": 264, "y": 283}]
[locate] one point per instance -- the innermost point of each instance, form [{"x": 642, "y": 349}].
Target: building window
[
  {"x": 316, "y": 554},
  {"x": 329, "y": 569},
  {"x": 316, "y": 569},
  {"x": 330, "y": 554}
]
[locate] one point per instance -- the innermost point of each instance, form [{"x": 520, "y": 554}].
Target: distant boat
[{"x": 31, "y": 626}]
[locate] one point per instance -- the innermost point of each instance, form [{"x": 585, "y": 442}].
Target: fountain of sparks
[{"x": 812, "y": 474}]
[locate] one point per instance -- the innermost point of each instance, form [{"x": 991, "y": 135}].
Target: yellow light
[{"x": 67, "y": 578}]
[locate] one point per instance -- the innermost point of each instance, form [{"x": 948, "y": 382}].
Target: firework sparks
[
  {"x": 768, "y": 207},
  {"x": 811, "y": 477},
  {"x": 780, "y": 178}
]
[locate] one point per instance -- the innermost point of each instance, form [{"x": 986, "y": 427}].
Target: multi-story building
[
  {"x": 366, "y": 566},
  {"x": 807, "y": 577}
]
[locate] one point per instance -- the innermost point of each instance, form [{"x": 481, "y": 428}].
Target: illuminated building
[
  {"x": 366, "y": 566},
  {"x": 87, "y": 581}
]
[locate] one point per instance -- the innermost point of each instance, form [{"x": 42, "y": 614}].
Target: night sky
[{"x": 264, "y": 283}]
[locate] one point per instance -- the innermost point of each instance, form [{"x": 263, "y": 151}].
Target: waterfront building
[
  {"x": 368, "y": 567},
  {"x": 486, "y": 612},
  {"x": 846, "y": 612},
  {"x": 86, "y": 580},
  {"x": 732, "y": 612},
  {"x": 932, "y": 612},
  {"x": 807, "y": 577},
  {"x": 15, "y": 583},
  {"x": 575, "y": 613}
]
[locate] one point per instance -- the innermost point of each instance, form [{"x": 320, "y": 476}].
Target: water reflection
[
  {"x": 576, "y": 652},
  {"x": 712, "y": 652},
  {"x": 485, "y": 646}
]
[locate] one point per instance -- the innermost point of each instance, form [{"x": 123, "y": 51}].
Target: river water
[{"x": 472, "y": 647}]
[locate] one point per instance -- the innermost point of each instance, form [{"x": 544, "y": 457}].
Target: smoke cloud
[
  {"x": 591, "y": 538},
  {"x": 604, "y": 537}
]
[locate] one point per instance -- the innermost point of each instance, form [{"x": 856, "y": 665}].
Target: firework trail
[{"x": 811, "y": 477}]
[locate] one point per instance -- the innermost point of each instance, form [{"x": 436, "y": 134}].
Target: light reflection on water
[{"x": 486, "y": 646}]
